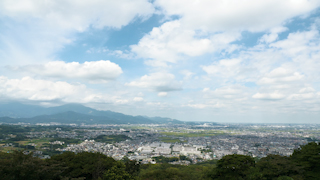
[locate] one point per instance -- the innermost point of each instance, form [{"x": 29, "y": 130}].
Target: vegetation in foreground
[{"x": 302, "y": 165}]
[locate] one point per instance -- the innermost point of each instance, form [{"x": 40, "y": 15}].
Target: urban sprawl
[{"x": 196, "y": 143}]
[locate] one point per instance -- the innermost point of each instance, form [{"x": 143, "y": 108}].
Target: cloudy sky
[{"x": 193, "y": 60}]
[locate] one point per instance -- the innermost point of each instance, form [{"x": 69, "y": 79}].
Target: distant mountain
[
  {"x": 72, "y": 113},
  {"x": 71, "y": 117},
  {"x": 18, "y": 110},
  {"x": 70, "y": 107},
  {"x": 162, "y": 120}
]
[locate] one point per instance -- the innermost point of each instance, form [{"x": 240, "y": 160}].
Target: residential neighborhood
[{"x": 197, "y": 144}]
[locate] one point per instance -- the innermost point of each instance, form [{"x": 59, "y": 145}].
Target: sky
[{"x": 240, "y": 61}]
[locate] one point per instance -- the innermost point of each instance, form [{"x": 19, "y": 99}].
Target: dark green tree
[
  {"x": 84, "y": 164},
  {"x": 165, "y": 172},
  {"x": 308, "y": 157},
  {"x": 17, "y": 166},
  {"x": 132, "y": 167},
  {"x": 118, "y": 172},
  {"x": 233, "y": 167},
  {"x": 275, "y": 166},
  {"x": 285, "y": 178}
]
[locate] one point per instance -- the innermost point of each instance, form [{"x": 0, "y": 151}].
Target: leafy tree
[
  {"x": 164, "y": 172},
  {"x": 118, "y": 172},
  {"x": 274, "y": 166},
  {"x": 111, "y": 138},
  {"x": 18, "y": 166},
  {"x": 285, "y": 178},
  {"x": 162, "y": 159},
  {"x": 173, "y": 172},
  {"x": 233, "y": 167},
  {"x": 182, "y": 157},
  {"x": 132, "y": 167},
  {"x": 308, "y": 157},
  {"x": 84, "y": 164}
]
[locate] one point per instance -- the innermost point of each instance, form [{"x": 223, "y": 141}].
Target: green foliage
[
  {"x": 303, "y": 164},
  {"x": 285, "y": 178},
  {"x": 173, "y": 172},
  {"x": 17, "y": 129},
  {"x": 111, "y": 138},
  {"x": 206, "y": 150},
  {"x": 162, "y": 159},
  {"x": 84, "y": 164},
  {"x": 273, "y": 166},
  {"x": 132, "y": 167},
  {"x": 184, "y": 158},
  {"x": 65, "y": 166},
  {"x": 17, "y": 166},
  {"x": 10, "y": 129},
  {"x": 18, "y": 137},
  {"x": 208, "y": 163},
  {"x": 118, "y": 172},
  {"x": 308, "y": 157},
  {"x": 233, "y": 167},
  {"x": 67, "y": 140}
]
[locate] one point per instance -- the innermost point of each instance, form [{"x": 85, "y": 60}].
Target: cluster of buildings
[
  {"x": 143, "y": 153},
  {"x": 145, "y": 143},
  {"x": 143, "y": 146}
]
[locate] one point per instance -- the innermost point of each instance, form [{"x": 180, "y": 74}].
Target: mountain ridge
[{"x": 72, "y": 113}]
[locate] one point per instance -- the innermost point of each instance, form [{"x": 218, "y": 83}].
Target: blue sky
[{"x": 193, "y": 60}]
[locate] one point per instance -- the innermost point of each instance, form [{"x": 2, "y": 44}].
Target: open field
[
  {"x": 194, "y": 133},
  {"x": 170, "y": 140}
]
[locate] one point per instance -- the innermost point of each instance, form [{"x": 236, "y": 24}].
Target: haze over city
[{"x": 225, "y": 61}]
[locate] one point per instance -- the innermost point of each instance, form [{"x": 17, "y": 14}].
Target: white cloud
[
  {"x": 210, "y": 26},
  {"x": 252, "y": 15},
  {"x": 161, "y": 82},
  {"x": 269, "y": 96},
  {"x": 299, "y": 43},
  {"x": 138, "y": 99},
  {"x": 30, "y": 89},
  {"x": 284, "y": 84},
  {"x": 279, "y": 76},
  {"x": 121, "y": 101},
  {"x": 303, "y": 49},
  {"x": 33, "y": 31},
  {"x": 68, "y": 14},
  {"x": 202, "y": 106},
  {"x": 284, "y": 73},
  {"x": 302, "y": 96},
  {"x": 162, "y": 94},
  {"x": 122, "y": 54},
  {"x": 230, "y": 92},
  {"x": 166, "y": 42},
  {"x": 170, "y": 43},
  {"x": 307, "y": 90},
  {"x": 198, "y": 106},
  {"x": 233, "y": 98},
  {"x": 93, "y": 71},
  {"x": 187, "y": 74},
  {"x": 225, "y": 68},
  {"x": 206, "y": 89},
  {"x": 273, "y": 35},
  {"x": 40, "y": 90}
]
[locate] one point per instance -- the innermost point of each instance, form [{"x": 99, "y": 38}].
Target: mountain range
[{"x": 72, "y": 113}]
